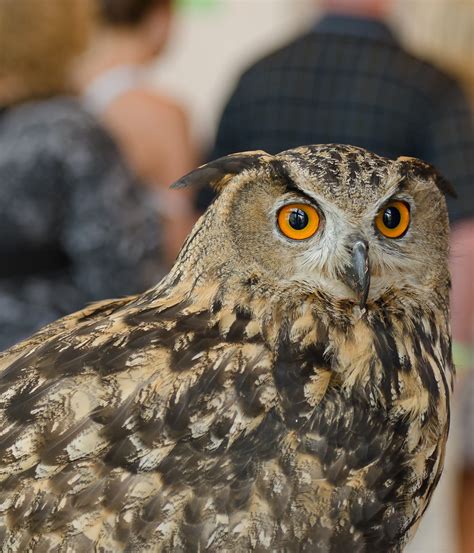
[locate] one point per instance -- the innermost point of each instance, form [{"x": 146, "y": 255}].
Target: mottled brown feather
[{"x": 246, "y": 403}]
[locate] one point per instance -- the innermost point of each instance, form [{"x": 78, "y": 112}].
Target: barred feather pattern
[{"x": 198, "y": 423}]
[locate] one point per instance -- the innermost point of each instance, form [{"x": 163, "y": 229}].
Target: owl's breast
[{"x": 363, "y": 437}]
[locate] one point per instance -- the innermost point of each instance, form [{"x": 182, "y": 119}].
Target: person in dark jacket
[{"x": 75, "y": 226}]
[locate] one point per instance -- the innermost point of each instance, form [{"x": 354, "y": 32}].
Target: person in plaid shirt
[{"x": 349, "y": 80}]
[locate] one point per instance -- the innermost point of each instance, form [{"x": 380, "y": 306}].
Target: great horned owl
[{"x": 285, "y": 388}]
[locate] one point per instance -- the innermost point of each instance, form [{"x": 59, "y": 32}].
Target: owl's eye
[
  {"x": 393, "y": 220},
  {"x": 298, "y": 221}
]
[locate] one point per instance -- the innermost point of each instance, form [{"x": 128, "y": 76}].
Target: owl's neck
[
  {"x": 276, "y": 308},
  {"x": 385, "y": 353}
]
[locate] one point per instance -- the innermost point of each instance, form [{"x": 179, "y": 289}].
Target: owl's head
[{"x": 336, "y": 219}]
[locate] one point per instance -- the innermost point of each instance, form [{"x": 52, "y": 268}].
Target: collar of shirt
[{"x": 347, "y": 25}]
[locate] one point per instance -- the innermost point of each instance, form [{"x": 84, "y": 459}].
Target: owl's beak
[{"x": 358, "y": 272}]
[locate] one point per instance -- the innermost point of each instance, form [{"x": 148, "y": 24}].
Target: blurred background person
[
  {"x": 151, "y": 129},
  {"x": 74, "y": 225}
]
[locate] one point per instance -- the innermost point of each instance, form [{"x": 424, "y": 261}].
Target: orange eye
[
  {"x": 393, "y": 220},
  {"x": 298, "y": 221}
]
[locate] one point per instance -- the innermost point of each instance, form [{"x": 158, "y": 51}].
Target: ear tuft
[
  {"x": 218, "y": 173},
  {"x": 422, "y": 169}
]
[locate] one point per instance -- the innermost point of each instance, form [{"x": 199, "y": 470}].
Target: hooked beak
[{"x": 358, "y": 272}]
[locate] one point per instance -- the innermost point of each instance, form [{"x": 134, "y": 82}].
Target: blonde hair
[{"x": 38, "y": 41}]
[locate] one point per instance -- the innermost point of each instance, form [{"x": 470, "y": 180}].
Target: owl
[{"x": 284, "y": 388}]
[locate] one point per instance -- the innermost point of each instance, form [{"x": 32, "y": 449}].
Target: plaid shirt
[{"x": 349, "y": 81}]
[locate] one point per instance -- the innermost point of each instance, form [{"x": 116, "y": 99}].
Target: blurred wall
[{"x": 212, "y": 44}]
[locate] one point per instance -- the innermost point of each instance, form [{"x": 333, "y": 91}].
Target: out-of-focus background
[
  {"x": 214, "y": 40},
  {"x": 163, "y": 116}
]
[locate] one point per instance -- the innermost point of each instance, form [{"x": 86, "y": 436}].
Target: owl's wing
[{"x": 109, "y": 420}]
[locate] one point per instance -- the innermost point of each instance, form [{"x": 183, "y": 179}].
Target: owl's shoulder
[
  {"x": 134, "y": 375},
  {"x": 139, "y": 391}
]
